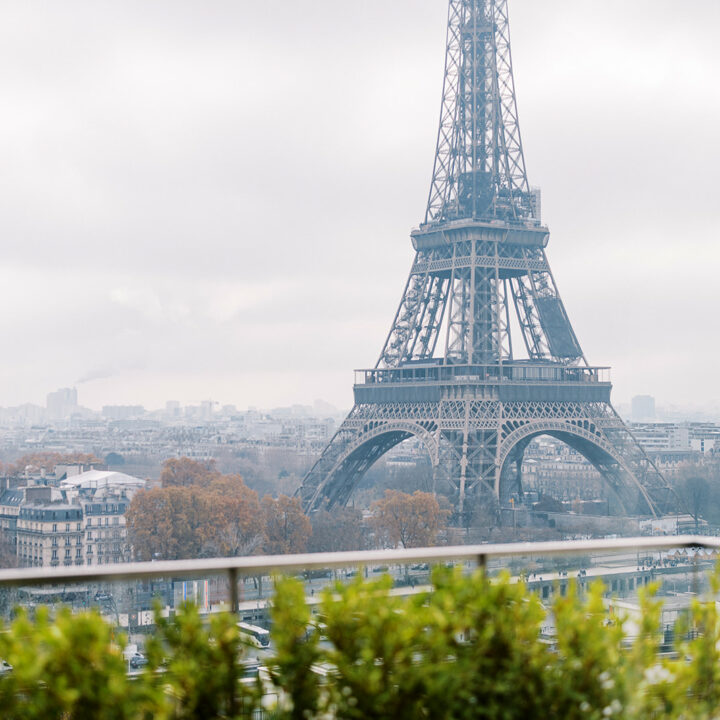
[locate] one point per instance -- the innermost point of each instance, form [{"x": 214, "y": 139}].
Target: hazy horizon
[{"x": 214, "y": 201}]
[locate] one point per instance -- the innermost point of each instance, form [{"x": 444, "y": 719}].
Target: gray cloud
[{"x": 215, "y": 199}]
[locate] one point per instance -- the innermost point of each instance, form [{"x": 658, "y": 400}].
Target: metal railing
[
  {"x": 494, "y": 373},
  {"x": 237, "y": 567}
]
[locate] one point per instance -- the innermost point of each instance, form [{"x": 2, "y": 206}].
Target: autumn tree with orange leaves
[
  {"x": 185, "y": 472},
  {"x": 237, "y": 525},
  {"x": 287, "y": 527},
  {"x": 336, "y": 530},
  {"x": 198, "y": 512},
  {"x": 48, "y": 460},
  {"x": 168, "y": 523},
  {"x": 407, "y": 520}
]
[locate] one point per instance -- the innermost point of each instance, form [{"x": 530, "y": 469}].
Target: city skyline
[
  {"x": 145, "y": 188},
  {"x": 320, "y": 407}
]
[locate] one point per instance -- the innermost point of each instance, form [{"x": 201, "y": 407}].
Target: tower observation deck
[{"x": 481, "y": 356}]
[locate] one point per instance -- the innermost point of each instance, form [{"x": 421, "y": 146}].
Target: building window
[
  {"x": 54, "y": 527},
  {"x": 67, "y": 527}
]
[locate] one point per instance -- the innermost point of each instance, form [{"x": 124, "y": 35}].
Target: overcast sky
[{"x": 212, "y": 200}]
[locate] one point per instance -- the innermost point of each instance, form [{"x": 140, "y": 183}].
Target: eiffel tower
[{"x": 480, "y": 289}]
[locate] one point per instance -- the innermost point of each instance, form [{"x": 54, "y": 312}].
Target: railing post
[
  {"x": 233, "y": 579},
  {"x": 234, "y": 608},
  {"x": 482, "y": 562}
]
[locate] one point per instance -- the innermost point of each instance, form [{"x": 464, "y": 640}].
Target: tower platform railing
[{"x": 494, "y": 373}]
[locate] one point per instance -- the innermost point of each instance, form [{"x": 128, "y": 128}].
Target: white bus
[{"x": 260, "y": 637}]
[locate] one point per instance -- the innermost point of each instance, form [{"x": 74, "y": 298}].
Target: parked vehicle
[
  {"x": 257, "y": 636},
  {"x": 138, "y": 660}
]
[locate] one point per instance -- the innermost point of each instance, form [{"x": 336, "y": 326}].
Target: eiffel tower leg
[
  {"x": 511, "y": 474},
  {"x": 478, "y": 446},
  {"x": 464, "y": 461},
  {"x": 595, "y": 431},
  {"x": 518, "y": 474},
  {"x": 365, "y": 435}
]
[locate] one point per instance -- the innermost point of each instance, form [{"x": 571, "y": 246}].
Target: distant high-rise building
[
  {"x": 122, "y": 412},
  {"x": 642, "y": 407},
  {"x": 206, "y": 409},
  {"x": 228, "y": 410},
  {"x": 61, "y": 403},
  {"x": 172, "y": 409}
]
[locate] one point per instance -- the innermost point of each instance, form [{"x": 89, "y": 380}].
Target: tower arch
[
  {"x": 360, "y": 453},
  {"x": 585, "y": 437}
]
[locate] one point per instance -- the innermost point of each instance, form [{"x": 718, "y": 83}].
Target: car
[
  {"x": 138, "y": 660},
  {"x": 103, "y": 596},
  {"x": 5, "y": 667}
]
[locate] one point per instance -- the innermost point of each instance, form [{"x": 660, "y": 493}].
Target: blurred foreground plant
[
  {"x": 68, "y": 667},
  {"x": 475, "y": 648},
  {"x": 472, "y": 648},
  {"x": 203, "y": 664}
]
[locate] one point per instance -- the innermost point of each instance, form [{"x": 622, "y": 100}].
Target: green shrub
[
  {"x": 469, "y": 649},
  {"x": 72, "y": 668},
  {"x": 202, "y": 658},
  {"x": 297, "y": 652},
  {"x": 473, "y": 648},
  {"x": 67, "y": 667}
]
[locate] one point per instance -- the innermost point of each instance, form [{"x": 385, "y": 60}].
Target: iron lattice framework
[{"x": 448, "y": 373}]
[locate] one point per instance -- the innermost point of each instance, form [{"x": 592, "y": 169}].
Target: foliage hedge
[{"x": 471, "y": 649}]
